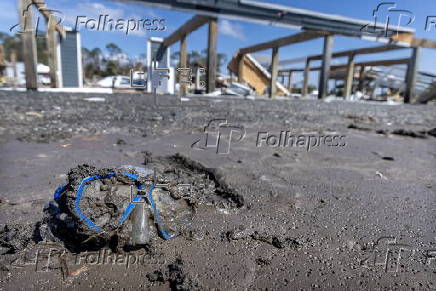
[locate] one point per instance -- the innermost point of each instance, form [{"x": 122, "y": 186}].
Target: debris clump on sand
[{"x": 89, "y": 212}]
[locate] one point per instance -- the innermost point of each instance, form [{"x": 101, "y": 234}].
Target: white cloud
[{"x": 231, "y": 29}]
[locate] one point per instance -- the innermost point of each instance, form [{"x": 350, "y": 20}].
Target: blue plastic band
[
  {"x": 58, "y": 191},
  {"x": 127, "y": 211}
]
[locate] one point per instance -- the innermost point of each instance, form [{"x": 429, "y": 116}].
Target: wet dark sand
[{"x": 355, "y": 217}]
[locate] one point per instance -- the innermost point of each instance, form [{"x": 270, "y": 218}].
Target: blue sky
[{"x": 233, "y": 34}]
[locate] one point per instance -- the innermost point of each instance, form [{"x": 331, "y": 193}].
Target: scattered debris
[
  {"x": 78, "y": 271},
  {"x": 411, "y": 133},
  {"x": 432, "y": 132},
  {"x": 34, "y": 114},
  {"x": 95, "y": 99},
  {"x": 175, "y": 275},
  {"x": 354, "y": 126},
  {"x": 15, "y": 237},
  {"x": 276, "y": 241},
  {"x": 121, "y": 141},
  {"x": 386, "y": 158},
  {"x": 263, "y": 262},
  {"x": 381, "y": 175}
]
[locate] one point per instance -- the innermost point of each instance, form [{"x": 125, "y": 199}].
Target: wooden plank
[
  {"x": 183, "y": 62},
  {"x": 349, "y": 77},
  {"x": 325, "y": 71},
  {"x": 240, "y": 60},
  {"x": 191, "y": 25},
  {"x": 42, "y": 8},
  {"x": 423, "y": 43},
  {"x": 212, "y": 54},
  {"x": 361, "y": 51},
  {"x": 412, "y": 69},
  {"x": 254, "y": 76},
  {"x": 274, "y": 71},
  {"x": 52, "y": 44},
  {"x": 306, "y": 70},
  {"x": 29, "y": 45},
  {"x": 368, "y": 64},
  {"x": 295, "y": 38}
]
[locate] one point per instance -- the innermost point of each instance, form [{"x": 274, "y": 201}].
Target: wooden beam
[
  {"x": 52, "y": 44},
  {"x": 29, "y": 44},
  {"x": 240, "y": 59},
  {"x": 212, "y": 54},
  {"x": 325, "y": 71},
  {"x": 362, "y": 51},
  {"x": 349, "y": 77},
  {"x": 295, "y": 38},
  {"x": 183, "y": 62},
  {"x": 274, "y": 71},
  {"x": 412, "y": 69},
  {"x": 47, "y": 13},
  {"x": 191, "y": 25},
  {"x": 305, "y": 90},
  {"x": 368, "y": 64},
  {"x": 423, "y": 43}
]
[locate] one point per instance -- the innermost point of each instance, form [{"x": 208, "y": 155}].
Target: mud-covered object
[
  {"x": 188, "y": 185},
  {"x": 103, "y": 202}
]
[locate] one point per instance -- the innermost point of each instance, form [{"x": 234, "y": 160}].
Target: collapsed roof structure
[{"x": 314, "y": 25}]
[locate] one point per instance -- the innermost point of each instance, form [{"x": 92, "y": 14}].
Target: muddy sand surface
[{"x": 353, "y": 211}]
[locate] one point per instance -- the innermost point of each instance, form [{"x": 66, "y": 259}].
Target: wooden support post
[
  {"x": 52, "y": 44},
  {"x": 305, "y": 90},
  {"x": 412, "y": 69},
  {"x": 325, "y": 71},
  {"x": 274, "y": 71},
  {"x": 349, "y": 77},
  {"x": 29, "y": 43},
  {"x": 240, "y": 68},
  {"x": 183, "y": 62},
  {"x": 2, "y": 55},
  {"x": 361, "y": 78},
  {"x": 14, "y": 66},
  {"x": 212, "y": 55},
  {"x": 197, "y": 78},
  {"x": 290, "y": 85}
]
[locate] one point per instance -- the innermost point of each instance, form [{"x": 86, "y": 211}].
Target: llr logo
[
  {"x": 218, "y": 134},
  {"x": 388, "y": 254},
  {"x": 33, "y": 27},
  {"x": 387, "y": 11}
]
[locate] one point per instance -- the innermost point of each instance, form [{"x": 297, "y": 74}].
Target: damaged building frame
[{"x": 314, "y": 25}]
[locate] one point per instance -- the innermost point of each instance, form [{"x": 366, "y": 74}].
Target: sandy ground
[{"x": 359, "y": 216}]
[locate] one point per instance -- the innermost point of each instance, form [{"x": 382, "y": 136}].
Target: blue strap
[
  {"x": 157, "y": 219},
  {"x": 58, "y": 191},
  {"x": 127, "y": 211}
]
